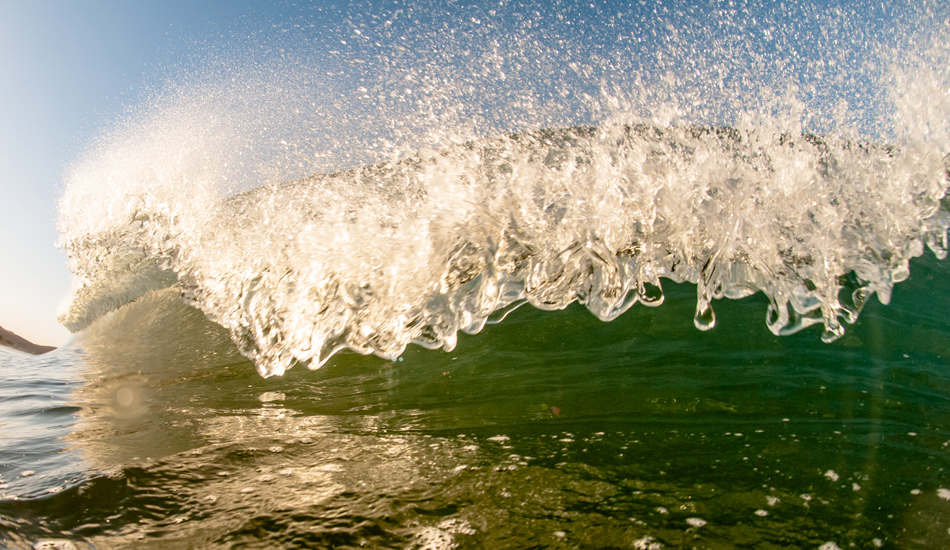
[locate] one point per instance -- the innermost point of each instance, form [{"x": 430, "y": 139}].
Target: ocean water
[
  {"x": 551, "y": 429},
  {"x": 638, "y": 278}
]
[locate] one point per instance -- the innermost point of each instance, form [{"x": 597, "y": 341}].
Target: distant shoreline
[{"x": 11, "y": 340}]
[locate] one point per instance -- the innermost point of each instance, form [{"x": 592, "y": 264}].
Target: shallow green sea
[{"x": 548, "y": 430}]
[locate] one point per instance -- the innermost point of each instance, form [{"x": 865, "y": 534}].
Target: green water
[{"x": 549, "y": 430}]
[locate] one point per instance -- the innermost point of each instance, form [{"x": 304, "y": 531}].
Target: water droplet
[{"x": 705, "y": 318}]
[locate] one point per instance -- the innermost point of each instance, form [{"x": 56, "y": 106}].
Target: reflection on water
[
  {"x": 35, "y": 414},
  {"x": 549, "y": 430}
]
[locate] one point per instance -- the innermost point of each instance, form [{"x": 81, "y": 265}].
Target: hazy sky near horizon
[{"x": 67, "y": 69}]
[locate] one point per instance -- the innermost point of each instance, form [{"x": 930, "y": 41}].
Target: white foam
[
  {"x": 647, "y": 543},
  {"x": 271, "y": 396},
  {"x": 55, "y": 544}
]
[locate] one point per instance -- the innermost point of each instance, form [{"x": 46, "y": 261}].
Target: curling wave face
[{"x": 414, "y": 250}]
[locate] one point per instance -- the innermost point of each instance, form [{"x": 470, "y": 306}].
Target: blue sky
[{"x": 69, "y": 70}]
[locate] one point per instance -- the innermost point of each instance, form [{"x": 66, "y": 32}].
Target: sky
[
  {"x": 66, "y": 70},
  {"x": 70, "y": 69}
]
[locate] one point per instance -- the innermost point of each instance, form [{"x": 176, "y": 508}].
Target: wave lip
[{"x": 412, "y": 251}]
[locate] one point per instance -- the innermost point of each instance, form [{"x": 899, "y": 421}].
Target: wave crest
[{"x": 412, "y": 251}]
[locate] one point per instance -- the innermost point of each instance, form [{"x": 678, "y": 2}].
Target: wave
[
  {"x": 800, "y": 153},
  {"x": 412, "y": 251}
]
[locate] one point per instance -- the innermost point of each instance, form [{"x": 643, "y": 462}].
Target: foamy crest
[{"x": 414, "y": 251}]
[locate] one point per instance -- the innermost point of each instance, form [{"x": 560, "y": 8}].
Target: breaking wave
[{"x": 418, "y": 246}]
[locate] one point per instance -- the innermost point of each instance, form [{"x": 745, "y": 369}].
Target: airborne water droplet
[{"x": 705, "y": 318}]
